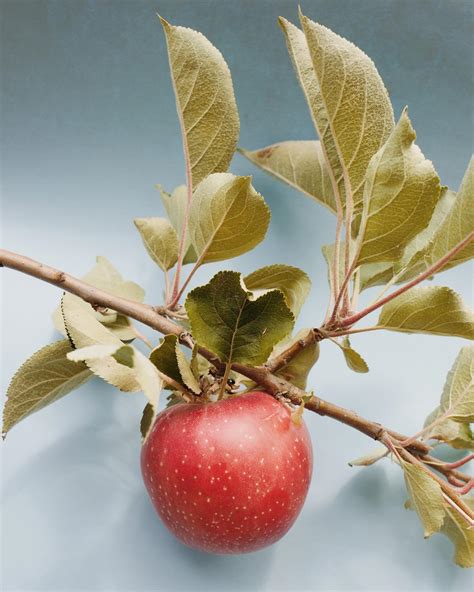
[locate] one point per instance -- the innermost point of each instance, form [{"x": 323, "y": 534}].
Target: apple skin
[{"x": 230, "y": 476}]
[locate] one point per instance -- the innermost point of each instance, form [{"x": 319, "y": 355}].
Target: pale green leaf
[
  {"x": 328, "y": 253},
  {"x": 175, "y": 206},
  {"x": 452, "y": 222},
  {"x": 461, "y": 534},
  {"x": 429, "y": 309},
  {"x": 160, "y": 240},
  {"x": 228, "y": 217},
  {"x": 375, "y": 274},
  {"x": 426, "y": 497},
  {"x": 105, "y": 277},
  {"x": 301, "y": 164},
  {"x": 307, "y": 77},
  {"x": 456, "y": 434},
  {"x": 186, "y": 371},
  {"x": 298, "y": 368},
  {"x": 292, "y": 281},
  {"x": 225, "y": 319},
  {"x": 205, "y": 101},
  {"x": 457, "y": 400},
  {"x": 44, "y": 378},
  {"x": 353, "y": 359},
  {"x": 92, "y": 352},
  {"x": 370, "y": 458},
  {"x": 400, "y": 194},
  {"x": 354, "y": 107},
  {"x": 132, "y": 359},
  {"x": 85, "y": 330}
]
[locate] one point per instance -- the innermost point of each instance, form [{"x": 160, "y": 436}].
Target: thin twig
[{"x": 423, "y": 276}]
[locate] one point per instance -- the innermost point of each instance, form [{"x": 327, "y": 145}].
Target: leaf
[
  {"x": 303, "y": 66},
  {"x": 164, "y": 358},
  {"x": 205, "y": 101},
  {"x": 298, "y": 368},
  {"x": 186, "y": 371},
  {"x": 328, "y": 253},
  {"x": 132, "y": 359},
  {"x": 353, "y": 359},
  {"x": 353, "y": 107},
  {"x": 370, "y": 458},
  {"x": 301, "y": 164},
  {"x": 175, "y": 206},
  {"x": 171, "y": 361},
  {"x": 291, "y": 281},
  {"x": 44, "y": 378},
  {"x": 457, "y": 399},
  {"x": 456, "y": 434},
  {"x": 227, "y": 218},
  {"x": 451, "y": 223},
  {"x": 146, "y": 423},
  {"x": 236, "y": 328},
  {"x": 400, "y": 194},
  {"x": 105, "y": 277},
  {"x": 375, "y": 274},
  {"x": 461, "y": 535},
  {"x": 426, "y": 497},
  {"x": 160, "y": 240},
  {"x": 85, "y": 330},
  {"x": 430, "y": 309}
]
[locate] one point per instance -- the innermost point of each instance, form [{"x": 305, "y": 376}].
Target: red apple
[{"x": 228, "y": 477}]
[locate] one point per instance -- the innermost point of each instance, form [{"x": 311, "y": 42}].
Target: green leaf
[
  {"x": 431, "y": 309},
  {"x": 227, "y": 218},
  {"x": 426, "y": 497},
  {"x": 44, "y": 378},
  {"x": 353, "y": 108},
  {"x": 146, "y": 423},
  {"x": 400, "y": 194},
  {"x": 85, "y": 330},
  {"x": 175, "y": 206},
  {"x": 236, "y": 328},
  {"x": 298, "y": 368},
  {"x": 461, "y": 535},
  {"x": 171, "y": 361},
  {"x": 353, "y": 359},
  {"x": 205, "y": 101},
  {"x": 451, "y": 223},
  {"x": 375, "y": 274},
  {"x": 293, "y": 282},
  {"x": 164, "y": 358},
  {"x": 105, "y": 277},
  {"x": 160, "y": 240},
  {"x": 301, "y": 164}
]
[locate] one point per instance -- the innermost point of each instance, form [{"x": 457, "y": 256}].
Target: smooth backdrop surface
[{"x": 88, "y": 127}]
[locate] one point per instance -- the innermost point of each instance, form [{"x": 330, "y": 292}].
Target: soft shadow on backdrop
[{"x": 88, "y": 127}]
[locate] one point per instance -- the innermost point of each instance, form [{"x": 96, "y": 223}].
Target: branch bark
[{"x": 261, "y": 375}]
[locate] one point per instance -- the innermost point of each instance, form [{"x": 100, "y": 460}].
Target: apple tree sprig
[{"x": 400, "y": 226}]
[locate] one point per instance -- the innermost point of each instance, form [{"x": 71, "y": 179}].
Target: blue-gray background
[{"x": 88, "y": 127}]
